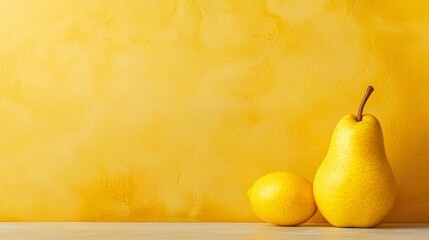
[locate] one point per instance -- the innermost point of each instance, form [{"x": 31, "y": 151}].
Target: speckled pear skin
[{"x": 354, "y": 186}]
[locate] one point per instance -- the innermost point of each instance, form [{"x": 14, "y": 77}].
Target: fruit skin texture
[
  {"x": 282, "y": 198},
  {"x": 355, "y": 186}
]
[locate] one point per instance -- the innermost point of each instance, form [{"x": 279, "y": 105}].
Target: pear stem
[{"x": 369, "y": 90}]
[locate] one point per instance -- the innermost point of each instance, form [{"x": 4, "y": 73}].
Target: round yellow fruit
[{"x": 282, "y": 198}]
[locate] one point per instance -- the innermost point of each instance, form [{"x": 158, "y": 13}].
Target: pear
[{"x": 354, "y": 186}]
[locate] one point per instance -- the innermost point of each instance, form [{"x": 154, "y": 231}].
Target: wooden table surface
[{"x": 206, "y": 231}]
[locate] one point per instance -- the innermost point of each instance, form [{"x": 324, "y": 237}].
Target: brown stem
[{"x": 369, "y": 90}]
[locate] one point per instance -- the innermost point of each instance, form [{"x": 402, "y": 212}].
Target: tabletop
[{"x": 205, "y": 231}]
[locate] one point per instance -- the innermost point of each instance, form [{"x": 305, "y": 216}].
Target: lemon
[{"x": 282, "y": 198}]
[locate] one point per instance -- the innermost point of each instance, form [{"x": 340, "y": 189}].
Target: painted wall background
[{"x": 169, "y": 110}]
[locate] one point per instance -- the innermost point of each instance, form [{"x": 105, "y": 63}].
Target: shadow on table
[{"x": 381, "y": 226}]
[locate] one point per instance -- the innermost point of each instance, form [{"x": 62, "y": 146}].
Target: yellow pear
[{"x": 354, "y": 186}]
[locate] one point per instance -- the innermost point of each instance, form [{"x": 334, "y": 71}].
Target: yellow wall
[{"x": 169, "y": 110}]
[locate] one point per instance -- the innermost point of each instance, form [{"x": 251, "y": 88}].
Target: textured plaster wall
[{"x": 169, "y": 110}]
